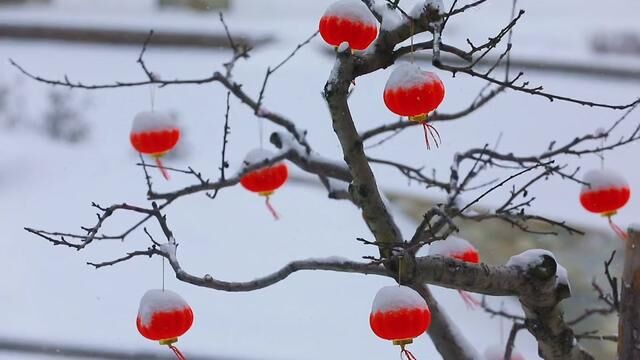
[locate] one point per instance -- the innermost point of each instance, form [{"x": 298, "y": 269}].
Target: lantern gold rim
[
  {"x": 402, "y": 342},
  {"x": 168, "y": 341}
]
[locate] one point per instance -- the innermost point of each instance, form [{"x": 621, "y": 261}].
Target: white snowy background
[{"x": 48, "y": 293}]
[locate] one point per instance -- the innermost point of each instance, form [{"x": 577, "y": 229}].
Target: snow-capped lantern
[
  {"x": 496, "y": 352},
  {"x": 264, "y": 181},
  {"x": 460, "y": 249},
  {"x": 155, "y": 134},
  {"x": 605, "y": 192},
  {"x": 413, "y": 92},
  {"x": 348, "y": 21},
  {"x": 164, "y": 316},
  {"x": 399, "y": 314}
]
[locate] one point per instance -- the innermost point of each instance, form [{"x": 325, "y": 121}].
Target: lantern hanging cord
[
  {"x": 152, "y": 96},
  {"x": 271, "y": 209},
  {"x": 602, "y": 154},
  {"x": 411, "y": 37},
  {"x": 163, "y": 260},
  {"x": 177, "y": 351},
  {"x": 617, "y": 230},
  {"x": 163, "y": 170},
  {"x": 260, "y": 132}
]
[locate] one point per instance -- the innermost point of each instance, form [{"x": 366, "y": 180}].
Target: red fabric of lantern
[
  {"x": 264, "y": 181},
  {"x": 348, "y": 21},
  {"x": 413, "y": 92},
  {"x": 460, "y": 249},
  {"x": 606, "y": 193},
  {"x": 399, "y": 314},
  {"x": 155, "y": 134}
]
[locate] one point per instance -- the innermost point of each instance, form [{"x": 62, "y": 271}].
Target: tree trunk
[{"x": 629, "y": 323}]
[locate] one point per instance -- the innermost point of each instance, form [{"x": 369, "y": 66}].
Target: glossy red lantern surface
[
  {"x": 154, "y": 133},
  {"x": 412, "y": 92},
  {"x": 266, "y": 180},
  {"x": 163, "y": 316},
  {"x": 399, "y": 313},
  {"x": 606, "y": 193},
  {"x": 348, "y": 21}
]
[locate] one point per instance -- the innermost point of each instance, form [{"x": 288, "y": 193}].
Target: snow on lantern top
[
  {"x": 152, "y": 121},
  {"x": 348, "y": 21},
  {"x": 603, "y": 179},
  {"x": 257, "y": 156},
  {"x": 354, "y": 10},
  {"x": 159, "y": 301},
  {"x": 455, "y": 247},
  {"x": 407, "y": 75},
  {"x": 392, "y": 298}
]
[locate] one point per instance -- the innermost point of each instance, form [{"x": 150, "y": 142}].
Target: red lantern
[
  {"x": 155, "y": 134},
  {"x": 496, "y": 352},
  {"x": 604, "y": 193},
  {"x": 164, "y": 316},
  {"x": 399, "y": 314},
  {"x": 462, "y": 250},
  {"x": 413, "y": 92},
  {"x": 348, "y": 21},
  {"x": 264, "y": 181}
]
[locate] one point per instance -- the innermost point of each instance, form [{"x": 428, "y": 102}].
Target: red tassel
[
  {"x": 469, "y": 300},
  {"x": 176, "y": 351},
  {"x": 617, "y": 230},
  {"x": 164, "y": 171},
  {"x": 430, "y": 130},
  {"x": 408, "y": 354},
  {"x": 271, "y": 209}
]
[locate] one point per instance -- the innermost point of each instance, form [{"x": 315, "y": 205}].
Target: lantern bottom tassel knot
[
  {"x": 170, "y": 343},
  {"x": 616, "y": 229},
  {"x": 406, "y": 353},
  {"x": 428, "y": 130}
]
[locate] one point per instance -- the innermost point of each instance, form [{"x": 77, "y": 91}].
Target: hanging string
[
  {"x": 618, "y": 230},
  {"x": 152, "y": 96},
  {"x": 176, "y": 351},
  {"x": 260, "y": 132},
  {"x": 411, "y": 37},
  {"x": 400, "y": 270},
  {"x": 602, "y": 154},
  {"x": 163, "y": 260},
  {"x": 271, "y": 209}
]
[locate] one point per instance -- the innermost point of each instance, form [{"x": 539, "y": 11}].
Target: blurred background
[{"x": 63, "y": 149}]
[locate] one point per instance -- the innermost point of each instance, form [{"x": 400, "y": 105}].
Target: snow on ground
[{"x": 53, "y": 295}]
